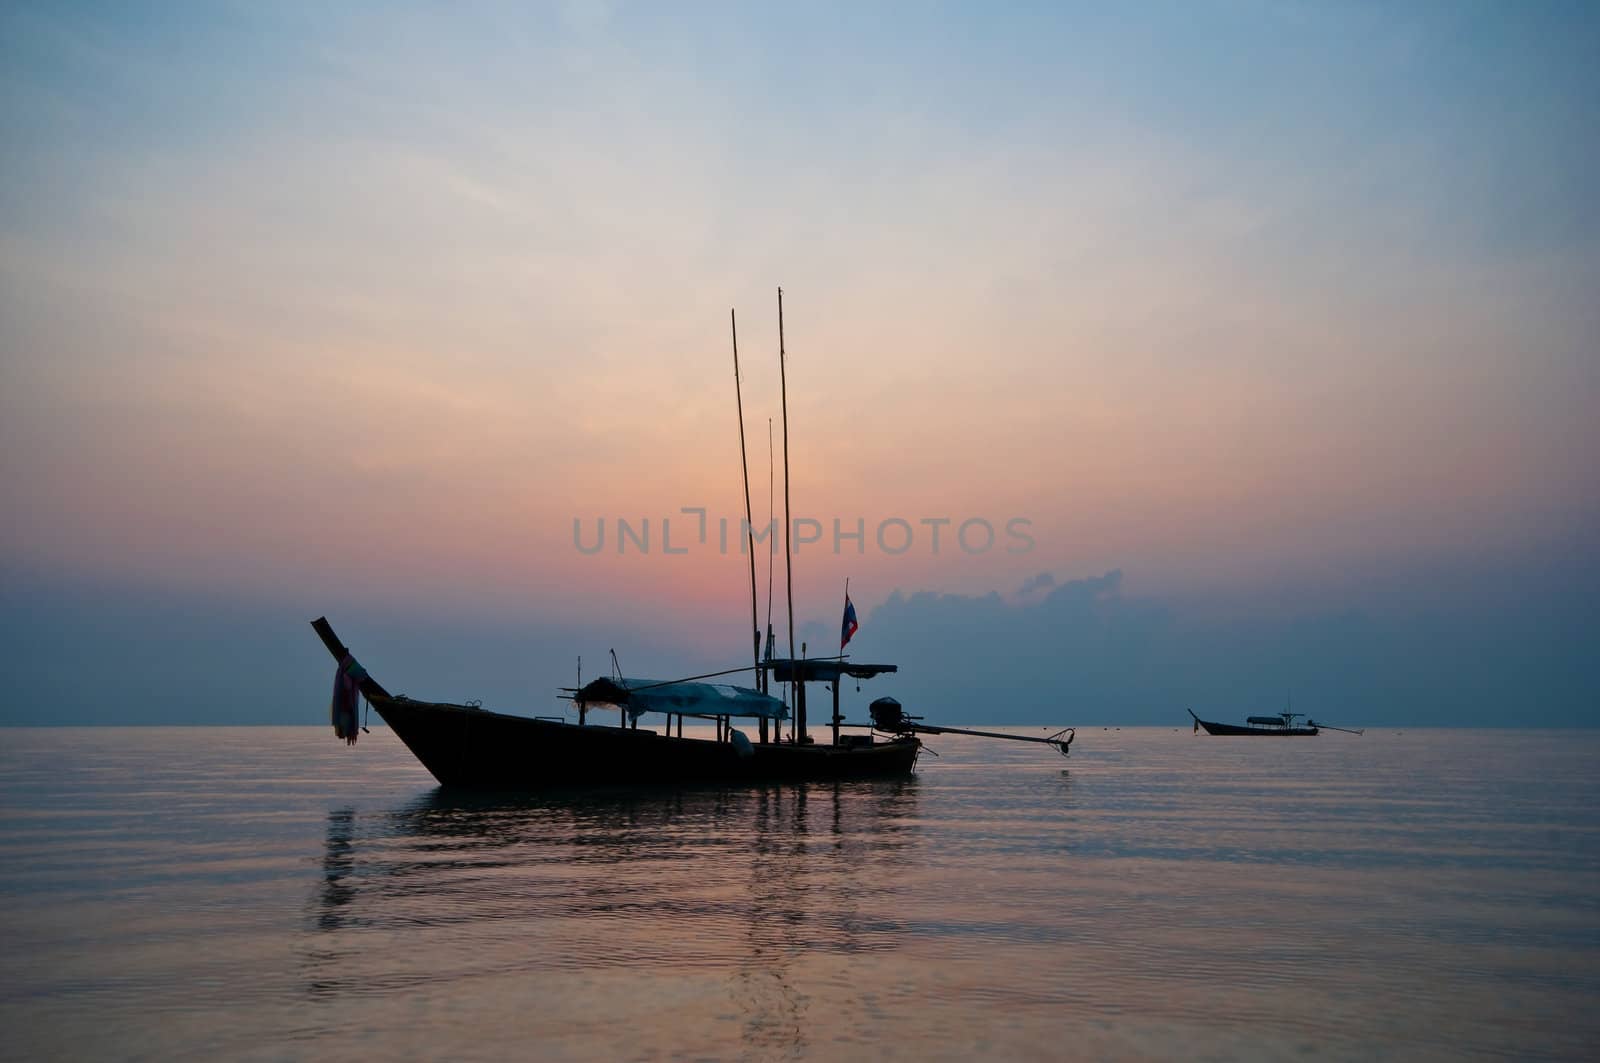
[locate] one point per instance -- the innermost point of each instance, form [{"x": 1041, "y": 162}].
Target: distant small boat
[{"x": 1281, "y": 724}]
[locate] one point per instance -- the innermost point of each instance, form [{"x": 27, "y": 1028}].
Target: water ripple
[{"x": 177, "y": 893}]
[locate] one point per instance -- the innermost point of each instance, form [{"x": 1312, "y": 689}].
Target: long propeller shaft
[
  {"x": 1055, "y": 740},
  {"x": 1330, "y": 727}
]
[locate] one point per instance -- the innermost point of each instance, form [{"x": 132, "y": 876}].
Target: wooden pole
[
  {"x": 795, "y": 685},
  {"x": 766, "y": 677},
  {"x": 744, "y": 469},
  {"x": 836, "y": 717}
]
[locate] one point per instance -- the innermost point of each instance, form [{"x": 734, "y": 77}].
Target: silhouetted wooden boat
[
  {"x": 467, "y": 746},
  {"x": 1281, "y": 724}
]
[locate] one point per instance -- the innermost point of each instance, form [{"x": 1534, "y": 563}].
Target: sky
[{"x": 1233, "y": 351}]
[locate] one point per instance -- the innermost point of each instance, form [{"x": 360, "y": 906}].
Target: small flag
[{"x": 849, "y": 626}]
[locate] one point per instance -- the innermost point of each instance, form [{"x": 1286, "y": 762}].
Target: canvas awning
[
  {"x": 639, "y": 696},
  {"x": 826, "y": 670}
]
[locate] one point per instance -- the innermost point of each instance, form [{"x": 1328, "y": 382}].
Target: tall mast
[
  {"x": 744, "y": 468},
  {"x": 772, "y": 518},
  {"x": 788, "y": 557}
]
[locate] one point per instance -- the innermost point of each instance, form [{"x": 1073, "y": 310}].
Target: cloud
[
  {"x": 1090, "y": 653},
  {"x": 1036, "y": 583},
  {"x": 1507, "y": 645},
  {"x": 1085, "y": 591}
]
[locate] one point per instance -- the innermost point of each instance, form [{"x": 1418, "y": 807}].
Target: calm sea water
[{"x": 267, "y": 893}]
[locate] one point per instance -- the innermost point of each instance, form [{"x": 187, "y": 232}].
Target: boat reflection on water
[
  {"x": 717, "y": 892},
  {"x": 338, "y": 867}
]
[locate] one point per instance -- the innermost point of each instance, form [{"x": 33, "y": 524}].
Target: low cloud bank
[
  {"x": 1089, "y": 653},
  {"x": 1510, "y": 646}
]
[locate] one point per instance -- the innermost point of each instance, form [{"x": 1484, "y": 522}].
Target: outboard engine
[{"x": 887, "y": 715}]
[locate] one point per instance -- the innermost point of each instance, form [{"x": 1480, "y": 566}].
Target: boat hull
[
  {"x": 1233, "y": 729},
  {"x": 473, "y": 748}
]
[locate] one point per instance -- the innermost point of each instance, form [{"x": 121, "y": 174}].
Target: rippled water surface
[{"x": 268, "y": 893}]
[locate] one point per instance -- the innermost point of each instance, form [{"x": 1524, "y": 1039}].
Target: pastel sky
[{"x": 1265, "y": 317}]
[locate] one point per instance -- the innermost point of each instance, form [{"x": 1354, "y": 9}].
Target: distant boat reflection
[{"x": 743, "y": 881}]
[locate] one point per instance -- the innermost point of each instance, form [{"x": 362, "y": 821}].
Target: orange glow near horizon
[{"x": 381, "y": 340}]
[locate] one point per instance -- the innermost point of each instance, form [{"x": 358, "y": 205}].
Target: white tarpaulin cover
[{"x": 640, "y": 696}]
